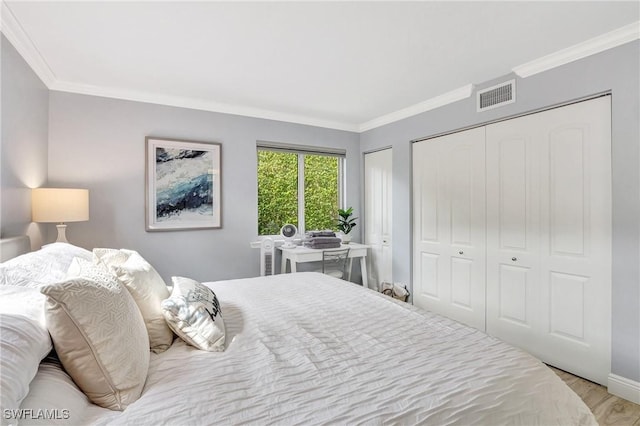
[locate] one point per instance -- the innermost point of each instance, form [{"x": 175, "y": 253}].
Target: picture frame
[{"x": 183, "y": 184}]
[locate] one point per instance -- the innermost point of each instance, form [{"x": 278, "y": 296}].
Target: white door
[
  {"x": 513, "y": 230},
  {"x": 549, "y": 235},
  {"x": 449, "y": 226},
  {"x": 378, "y": 206}
]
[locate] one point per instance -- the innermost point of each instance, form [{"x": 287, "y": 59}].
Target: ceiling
[{"x": 344, "y": 65}]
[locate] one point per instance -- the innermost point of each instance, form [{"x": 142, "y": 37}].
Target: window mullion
[
  {"x": 301, "y": 224},
  {"x": 342, "y": 185}
]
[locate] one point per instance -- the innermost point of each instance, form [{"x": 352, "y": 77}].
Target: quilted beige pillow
[
  {"x": 99, "y": 335},
  {"x": 147, "y": 288},
  {"x": 194, "y": 313}
]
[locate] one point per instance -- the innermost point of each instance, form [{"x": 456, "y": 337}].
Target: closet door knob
[
  {"x": 460, "y": 252},
  {"x": 514, "y": 259}
]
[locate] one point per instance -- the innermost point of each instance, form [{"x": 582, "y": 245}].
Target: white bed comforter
[{"x": 310, "y": 349}]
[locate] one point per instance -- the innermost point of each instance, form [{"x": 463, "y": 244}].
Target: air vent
[{"x": 497, "y": 96}]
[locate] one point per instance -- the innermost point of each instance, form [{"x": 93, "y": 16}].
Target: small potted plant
[{"x": 346, "y": 223}]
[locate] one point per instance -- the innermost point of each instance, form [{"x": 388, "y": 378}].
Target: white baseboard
[{"x": 624, "y": 388}]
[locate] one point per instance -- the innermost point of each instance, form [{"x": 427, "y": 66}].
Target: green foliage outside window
[
  {"x": 320, "y": 192},
  {"x": 278, "y": 191}
]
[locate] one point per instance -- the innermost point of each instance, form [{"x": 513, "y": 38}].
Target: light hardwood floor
[{"x": 608, "y": 409}]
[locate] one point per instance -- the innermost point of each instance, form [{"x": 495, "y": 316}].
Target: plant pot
[{"x": 346, "y": 238}]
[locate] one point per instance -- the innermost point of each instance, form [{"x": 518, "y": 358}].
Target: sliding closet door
[
  {"x": 449, "y": 226},
  {"x": 549, "y": 235},
  {"x": 378, "y": 196}
]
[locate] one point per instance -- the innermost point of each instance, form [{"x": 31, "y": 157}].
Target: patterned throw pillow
[
  {"x": 147, "y": 288},
  {"x": 193, "y": 313},
  {"x": 99, "y": 334}
]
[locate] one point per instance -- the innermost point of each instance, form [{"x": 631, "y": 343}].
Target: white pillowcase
[
  {"x": 109, "y": 257},
  {"x": 24, "y": 342},
  {"x": 147, "y": 288},
  {"x": 193, "y": 312},
  {"x": 45, "y": 266},
  {"x": 99, "y": 335},
  {"x": 52, "y": 389}
]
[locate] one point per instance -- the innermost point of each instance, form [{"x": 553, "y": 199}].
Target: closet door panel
[
  {"x": 430, "y": 272},
  {"x": 513, "y": 264},
  {"x": 461, "y": 283},
  {"x": 512, "y": 187},
  {"x": 429, "y": 277},
  {"x": 514, "y": 286},
  {"x": 467, "y": 259},
  {"x": 575, "y": 256},
  {"x": 461, "y": 190},
  {"x": 427, "y": 195},
  {"x": 449, "y": 221},
  {"x": 568, "y": 190},
  {"x": 567, "y": 306},
  {"x": 565, "y": 182}
]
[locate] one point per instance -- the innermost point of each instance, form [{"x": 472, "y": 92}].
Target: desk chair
[{"x": 334, "y": 262}]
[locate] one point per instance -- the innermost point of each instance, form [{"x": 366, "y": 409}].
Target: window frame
[{"x": 302, "y": 151}]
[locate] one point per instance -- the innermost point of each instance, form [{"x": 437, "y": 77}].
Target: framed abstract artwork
[{"x": 183, "y": 185}]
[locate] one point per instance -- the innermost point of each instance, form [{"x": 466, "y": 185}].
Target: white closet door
[
  {"x": 513, "y": 230},
  {"x": 549, "y": 235},
  {"x": 378, "y": 207},
  {"x": 449, "y": 226}
]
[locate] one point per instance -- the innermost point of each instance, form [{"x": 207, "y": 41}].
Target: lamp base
[{"x": 62, "y": 233}]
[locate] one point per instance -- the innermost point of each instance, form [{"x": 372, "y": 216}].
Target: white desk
[{"x": 304, "y": 254}]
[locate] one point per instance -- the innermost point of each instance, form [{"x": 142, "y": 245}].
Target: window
[{"x": 298, "y": 185}]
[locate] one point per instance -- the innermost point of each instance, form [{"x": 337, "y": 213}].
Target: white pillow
[
  {"x": 52, "y": 389},
  {"x": 147, "y": 288},
  {"x": 109, "y": 257},
  {"x": 45, "y": 266},
  {"x": 24, "y": 342},
  {"x": 99, "y": 335},
  {"x": 193, "y": 312}
]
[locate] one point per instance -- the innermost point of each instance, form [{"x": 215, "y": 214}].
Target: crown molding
[
  {"x": 589, "y": 47},
  {"x": 14, "y": 32},
  {"x": 197, "y": 104},
  {"x": 433, "y": 103}
]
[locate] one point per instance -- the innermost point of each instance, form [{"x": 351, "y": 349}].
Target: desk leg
[
  {"x": 349, "y": 267},
  {"x": 363, "y": 271},
  {"x": 292, "y": 263},
  {"x": 283, "y": 264}
]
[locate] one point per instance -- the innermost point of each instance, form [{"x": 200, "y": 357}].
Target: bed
[{"x": 308, "y": 348}]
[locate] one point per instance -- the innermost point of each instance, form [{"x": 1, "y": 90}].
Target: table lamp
[{"x": 59, "y": 205}]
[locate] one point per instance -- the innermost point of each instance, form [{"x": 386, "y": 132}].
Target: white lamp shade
[{"x": 59, "y": 205}]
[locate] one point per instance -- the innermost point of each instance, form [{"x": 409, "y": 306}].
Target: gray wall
[
  {"x": 24, "y": 104},
  {"x": 616, "y": 70},
  {"x": 98, "y": 143}
]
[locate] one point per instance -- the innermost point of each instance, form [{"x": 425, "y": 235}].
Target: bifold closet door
[
  {"x": 449, "y": 226},
  {"x": 549, "y": 235},
  {"x": 378, "y": 179}
]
